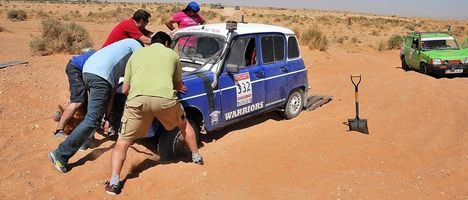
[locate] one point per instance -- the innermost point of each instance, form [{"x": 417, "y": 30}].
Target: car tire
[
  {"x": 171, "y": 144},
  {"x": 404, "y": 66},
  {"x": 294, "y": 105},
  {"x": 423, "y": 68}
]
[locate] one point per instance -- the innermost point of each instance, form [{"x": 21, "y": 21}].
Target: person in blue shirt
[
  {"x": 78, "y": 93},
  {"x": 101, "y": 74}
]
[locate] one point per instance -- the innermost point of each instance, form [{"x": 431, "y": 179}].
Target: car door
[
  {"x": 414, "y": 53},
  {"x": 242, "y": 93},
  {"x": 277, "y": 71}
]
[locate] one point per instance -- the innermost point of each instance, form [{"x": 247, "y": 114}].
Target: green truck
[{"x": 434, "y": 53}]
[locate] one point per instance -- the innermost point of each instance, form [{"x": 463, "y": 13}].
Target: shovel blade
[{"x": 359, "y": 125}]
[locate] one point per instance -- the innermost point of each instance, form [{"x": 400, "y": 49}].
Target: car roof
[
  {"x": 430, "y": 34},
  {"x": 242, "y": 29}
]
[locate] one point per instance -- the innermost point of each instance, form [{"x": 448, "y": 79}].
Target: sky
[{"x": 447, "y": 9}]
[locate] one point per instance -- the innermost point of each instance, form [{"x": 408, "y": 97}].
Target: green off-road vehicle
[{"x": 434, "y": 53}]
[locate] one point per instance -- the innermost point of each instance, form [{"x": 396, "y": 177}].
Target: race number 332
[{"x": 243, "y": 88}]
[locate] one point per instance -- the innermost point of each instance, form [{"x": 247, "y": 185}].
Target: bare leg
[
  {"x": 119, "y": 154},
  {"x": 68, "y": 114},
  {"x": 189, "y": 135}
]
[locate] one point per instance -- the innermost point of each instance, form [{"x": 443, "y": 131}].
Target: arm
[
  {"x": 145, "y": 40},
  {"x": 177, "y": 78},
  {"x": 179, "y": 86},
  {"x": 169, "y": 23},
  {"x": 125, "y": 88}
]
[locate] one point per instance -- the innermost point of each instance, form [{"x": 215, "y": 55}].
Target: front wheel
[
  {"x": 294, "y": 105},
  {"x": 423, "y": 68},
  {"x": 172, "y": 144}
]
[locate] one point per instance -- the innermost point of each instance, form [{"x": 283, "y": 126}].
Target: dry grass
[
  {"x": 314, "y": 39},
  {"x": 60, "y": 38},
  {"x": 395, "y": 42},
  {"x": 17, "y": 15}
]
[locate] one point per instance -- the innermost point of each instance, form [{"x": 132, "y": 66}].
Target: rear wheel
[
  {"x": 294, "y": 105},
  {"x": 172, "y": 144},
  {"x": 404, "y": 66}
]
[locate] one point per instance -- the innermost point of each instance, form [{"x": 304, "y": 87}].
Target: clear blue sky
[{"x": 457, "y": 9}]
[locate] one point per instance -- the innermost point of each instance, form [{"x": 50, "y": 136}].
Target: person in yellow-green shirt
[{"x": 153, "y": 77}]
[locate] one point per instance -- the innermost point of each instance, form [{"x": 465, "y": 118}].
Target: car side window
[
  {"x": 415, "y": 43},
  {"x": 273, "y": 48},
  {"x": 293, "y": 48},
  {"x": 243, "y": 52}
]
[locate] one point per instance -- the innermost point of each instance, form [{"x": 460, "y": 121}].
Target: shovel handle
[{"x": 356, "y": 80}]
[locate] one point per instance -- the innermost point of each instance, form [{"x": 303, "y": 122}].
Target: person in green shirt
[{"x": 153, "y": 76}]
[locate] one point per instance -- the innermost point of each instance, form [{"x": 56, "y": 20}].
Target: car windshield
[
  {"x": 199, "y": 51},
  {"x": 439, "y": 43}
]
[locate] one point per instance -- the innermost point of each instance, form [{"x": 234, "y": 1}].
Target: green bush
[
  {"x": 314, "y": 39},
  {"x": 60, "y": 38},
  {"x": 395, "y": 42},
  {"x": 16, "y": 15}
]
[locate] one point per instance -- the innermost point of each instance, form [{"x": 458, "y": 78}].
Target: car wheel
[
  {"x": 423, "y": 68},
  {"x": 294, "y": 105},
  {"x": 404, "y": 66},
  {"x": 172, "y": 145}
]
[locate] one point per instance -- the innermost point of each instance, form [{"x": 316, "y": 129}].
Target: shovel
[{"x": 357, "y": 124}]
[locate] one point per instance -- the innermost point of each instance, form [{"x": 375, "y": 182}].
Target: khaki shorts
[{"x": 141, "y": 110}]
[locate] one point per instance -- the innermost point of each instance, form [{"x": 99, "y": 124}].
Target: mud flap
[{"x": 316, "y": 101}]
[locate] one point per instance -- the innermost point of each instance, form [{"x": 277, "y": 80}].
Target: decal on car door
[{"x": 243, "y": 88}]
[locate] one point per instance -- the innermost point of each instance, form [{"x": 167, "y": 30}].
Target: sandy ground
[{"x": 417, "y": 147}]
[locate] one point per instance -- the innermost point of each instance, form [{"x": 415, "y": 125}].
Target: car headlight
[
  {"x": 465, "y": 61},
  {"x": 436, "y": 61}
]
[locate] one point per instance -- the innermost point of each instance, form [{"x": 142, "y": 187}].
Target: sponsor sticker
[
  {"x": 242, "y": 111},
  {"x": 243, "y": 88}
]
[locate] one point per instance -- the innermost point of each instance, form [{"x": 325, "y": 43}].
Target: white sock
[{"x": 115, "y": 180}]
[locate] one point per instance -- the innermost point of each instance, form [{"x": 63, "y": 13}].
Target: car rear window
[
  {"x": 272, "y": 48},
  {"x": 293, "y": 48}
]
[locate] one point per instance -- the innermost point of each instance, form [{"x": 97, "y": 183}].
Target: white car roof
[{"x": 242, "y": 29}]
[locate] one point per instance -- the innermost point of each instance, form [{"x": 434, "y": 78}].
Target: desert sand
[{"x": 417, "y": 147}]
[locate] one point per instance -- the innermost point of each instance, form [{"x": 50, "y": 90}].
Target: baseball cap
[{"x": 193, "y": 6}]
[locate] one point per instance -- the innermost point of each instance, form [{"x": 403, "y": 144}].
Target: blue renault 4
[{"x": 232, "y": 72}]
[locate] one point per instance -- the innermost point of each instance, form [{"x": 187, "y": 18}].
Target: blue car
[{"x": 234, "y": 71}]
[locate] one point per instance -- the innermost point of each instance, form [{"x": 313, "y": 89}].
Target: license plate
[{"x": 454, "y": 71}]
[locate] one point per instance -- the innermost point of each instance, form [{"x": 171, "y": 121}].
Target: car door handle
[
  {"x": 284, "y": 69},
  {"x": 259, "y": 74}
]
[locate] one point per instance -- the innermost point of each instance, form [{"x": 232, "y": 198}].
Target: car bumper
[{"x": 448, "y": 69}]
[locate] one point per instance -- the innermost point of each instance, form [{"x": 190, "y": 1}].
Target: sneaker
[
  {"x": 198, "y": 160},
  {"x": 57, "y": 164},
  {"x": 112, "y": 189},
  {"x": 86, "y": 145},
  {"x": 60, "y": 133}
]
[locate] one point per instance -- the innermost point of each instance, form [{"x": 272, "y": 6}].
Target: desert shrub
[
  {"x": 2, "y": 29},
  {"x": 354, "y": 40},
  {"x": 209, "y": 15},
  {"x": 222, "y": 18},
  {"x": 410, "y": 27},
  {"x": 314, "y": 39},
  {"x": 16, "y": 15},
  {"x": 375, "y": 33},
  {"x": 381, "y": 45},
  {"x": 60, "y": 38},
  {"x": 340, "y": 40},
  {"x": 395, "y": 41}
]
